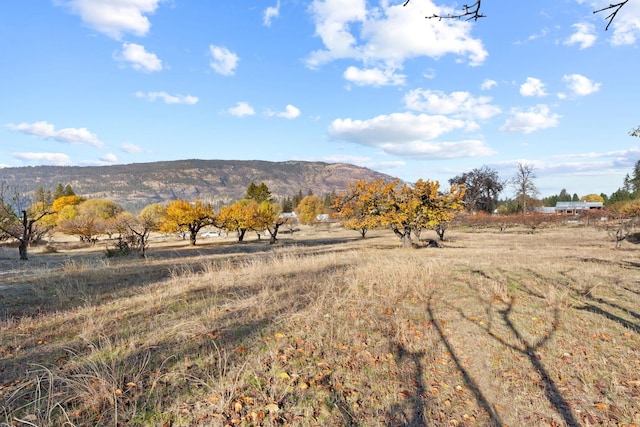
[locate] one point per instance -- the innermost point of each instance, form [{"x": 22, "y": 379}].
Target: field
[{"x": 325, "y": 329}]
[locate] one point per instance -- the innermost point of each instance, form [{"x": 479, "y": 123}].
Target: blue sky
[{"x": 98, "y": 82}]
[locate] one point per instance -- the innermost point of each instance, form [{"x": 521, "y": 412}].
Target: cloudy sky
[{"x": 372, "y": 83}]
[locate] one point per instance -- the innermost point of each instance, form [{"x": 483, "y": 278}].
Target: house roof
[{"x": 578, "y": 205}]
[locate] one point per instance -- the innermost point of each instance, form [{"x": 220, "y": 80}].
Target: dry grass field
[{"x": 325, "y": 329}]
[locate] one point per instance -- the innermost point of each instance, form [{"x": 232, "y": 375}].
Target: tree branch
[
  {"x": 615, "y": 7},
  {"x": 471, "y": 12}
]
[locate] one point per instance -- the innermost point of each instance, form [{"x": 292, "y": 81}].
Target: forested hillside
[{"x": 216, "y": 181}]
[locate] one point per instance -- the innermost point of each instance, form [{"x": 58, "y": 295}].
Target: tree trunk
[
  {"x": 273, "y": 234},
  {"x": 241, "y": 232},
  {"x": 193, "y": 235},
  {"x": 22, "y": 248}
]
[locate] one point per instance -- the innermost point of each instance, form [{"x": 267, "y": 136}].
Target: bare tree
[
  {"x": 523, "y": 184},
  {"x": 472, "y": 12},
  {"x": 17, "y": 220}
]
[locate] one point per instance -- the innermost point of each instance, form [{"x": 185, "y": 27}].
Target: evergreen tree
[
  {"x": 68, "y": 191},
  {"x": 59, "y": 192}
]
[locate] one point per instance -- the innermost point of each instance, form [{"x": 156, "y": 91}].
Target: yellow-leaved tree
[
  {"x": 188, "y": 217},
  {"x": 360, "y": 206},
  {"x": 238, "y": 217},
  {"x": 267, "y": 217},
  {"x": 309, "y": 208},
  {"x": 592, "y": 198}
]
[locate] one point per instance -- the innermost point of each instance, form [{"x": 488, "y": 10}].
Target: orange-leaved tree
[
  {"x": 359, "y": 208},
  {"x": 190, "y": 217},
  {"x": 413, "y": 207}
]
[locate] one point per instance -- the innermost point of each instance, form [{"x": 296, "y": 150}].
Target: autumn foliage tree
[
  {"x": 139, "y": 227},
  {"x": 88, "y": 219},
  {"x": 239, "y": 217},
  {"x": 359, "y": 208},
  {"x": 413, "y": 207},
  {"x": 309, "y": 208},
  {"x": 190, "y": 217},
  {"x": 267, "y": 217}
]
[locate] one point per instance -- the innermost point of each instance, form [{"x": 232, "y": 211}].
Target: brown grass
[{"x": 325, "y": 329}]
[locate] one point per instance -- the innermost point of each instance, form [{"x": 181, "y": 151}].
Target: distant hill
[{"x": 217, "y": 181}]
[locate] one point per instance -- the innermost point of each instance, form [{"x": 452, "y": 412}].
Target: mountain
[{"x": 217, "y": 181}]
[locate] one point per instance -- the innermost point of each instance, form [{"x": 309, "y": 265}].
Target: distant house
[{"x": 575, "y": 208}]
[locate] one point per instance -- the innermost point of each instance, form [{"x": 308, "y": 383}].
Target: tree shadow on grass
[
  {"x": 89, "y": 280},
  {"x": 193, "y": 356},
  {"x": 418, "y": 406},
  {"x": 527, "y": 349},
  {"x": 494, "y": 417}
]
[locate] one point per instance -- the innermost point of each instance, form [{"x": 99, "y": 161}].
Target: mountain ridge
[{"x": 135, "y": 185}]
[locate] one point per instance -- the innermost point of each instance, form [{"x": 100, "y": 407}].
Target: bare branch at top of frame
[{"x": 615, "y": 8}]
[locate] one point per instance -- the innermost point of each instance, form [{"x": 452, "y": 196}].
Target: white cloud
[
  {"x": 46, "y": 130},
  {"x": 138, "y": 58},
  {"x": 383, "y": 37},
  {"x": 532, "y": 87},
  {"x": 127, "y": 147},
  {"x": 168, "y": 99},
  {"x": 488, "y": 84},
  {"x": 241, "y": 109},
  {"x": 373, "y": 76},
  {"x": 396, "y": 127},
  {"x": 223, "y": 61},
  {"x": 270, "y": 13},
  {"x": 114, "y": 17},
  {"x": 458, "y": 104},
  {"x": 408, "y": 134},
  {"x": 531, "y": 120},
  {"x": 56, "y": 159},
  {"x": 584, "y": 35},
  {"x": 290, "y": 112},
  {"x": 109, "y": 158},
  {"x": 580, "y": 85},
  {"x": 439, "y": 150}
]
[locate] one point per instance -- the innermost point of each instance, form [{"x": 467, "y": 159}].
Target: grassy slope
[{"x": 493, "y": 329}]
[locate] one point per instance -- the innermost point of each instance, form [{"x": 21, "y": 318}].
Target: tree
[
  {"x": 267, "y": 217},
  {"x": 150, "y": 219},
  {"x": 523, "y": 184},
  {"x": 259, "y": 193},
  {"x": 89, "y": 219},
  {"x": 410, "y": 208},
  {"x": 472, "y": 12},
  {"x": 592, "y": 198},
  {"x": 483, "y": 186},
  {"x": 634, "y": 180},
  {"x": 17, "y": 220},
  {"x": 238, "y": 217},
  {"x": 360, "y": 207},
  {"x": 190, "y": 217},
  {"x": 624, "y": 217},
  {"x": 309, "y": 208}
]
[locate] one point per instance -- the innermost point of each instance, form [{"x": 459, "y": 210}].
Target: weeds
[{"x": 336, "y": 335}]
